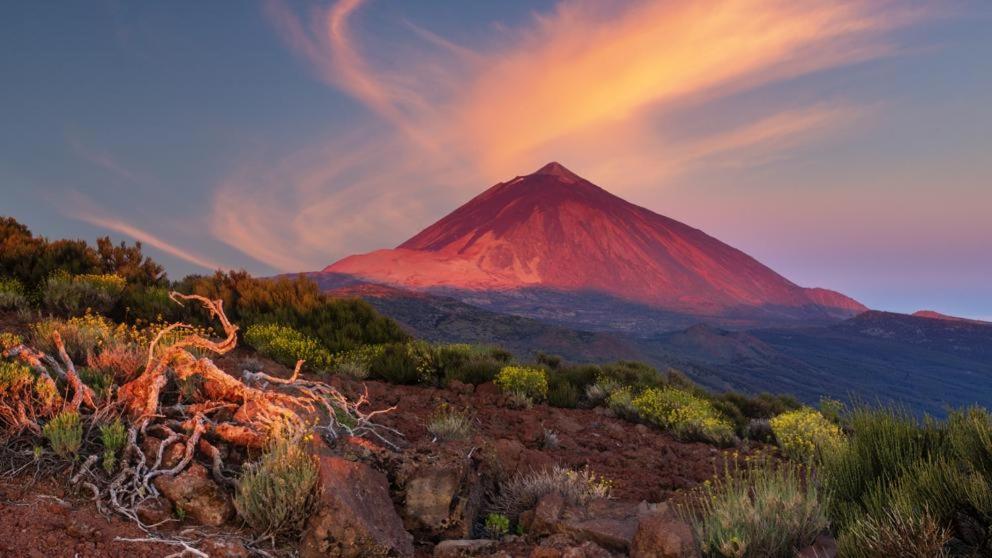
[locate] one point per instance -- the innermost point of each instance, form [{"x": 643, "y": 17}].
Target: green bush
[
  {"x": 621, "y": 401},
  {"x": 276, "y": 494},
  {"x": 764, "y": 512},
  {"x": 12, "y": 294},
  {"x": 884, "y": 443},
  {"x": 285, "y": 345},
  {"x": 74, "y": 294},
  {"x": 9, "y": 340},
  {"x": 81, "y": 335},
  {"x": 562, "y": 393},
  {"x": 685, "y": 415},
  {"x": 528, "y": 381},
  {"x": 470, "y": 364},
  {"x": 357, "y": 362},
  {"x": 801, "y": 433},
  {"x": 14, "y": 377},
  {"x": 340, "y": 324},
  {"x": 64, "y": 433},
  {"x": 100, "y": 380},
  {"x": 396, "y": 364},
  {"x": 113, "y": 436},
  {"x": 895, "y": 533},
  {"x": 497, "y": 526}
]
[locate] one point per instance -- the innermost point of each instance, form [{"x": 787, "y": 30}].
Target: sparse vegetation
[
  {"x": 276, "y": 494},
  {"x": 682, "y": 413},
  {"x": 895, "y": 533},
  {"x": 523, "y": 491},
  {"x": 113, "y": 436},
  {"x": 768, "y": 511},
  {"x": 71, "y": 295},
  {"x": 448, "y": 423},
  {"x": 12, "y": 294},
  {"x": 65, "y": 434},
  {"x": 497, "y": 525}
]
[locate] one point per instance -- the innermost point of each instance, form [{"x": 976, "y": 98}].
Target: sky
[{"x": 844, "y": 144}]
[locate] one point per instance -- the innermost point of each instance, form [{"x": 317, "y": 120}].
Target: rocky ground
[{"x": 424, "y": 499}]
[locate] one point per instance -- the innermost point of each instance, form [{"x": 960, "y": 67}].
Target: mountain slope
[{"x": 553, "y": 230}]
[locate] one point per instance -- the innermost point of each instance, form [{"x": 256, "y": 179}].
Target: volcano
[{"x": 553, "y": 231}]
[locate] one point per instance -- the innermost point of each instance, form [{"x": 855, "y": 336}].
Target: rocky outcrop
[
  {"x": 355, "y": 517},
  {"x": 441, "y": 491},
  {"x": 659, "y": 535},
  {"x": 195, "y": 495},
  {"x": 464, "y": 548},
  {"x": 643, "y": 530}
]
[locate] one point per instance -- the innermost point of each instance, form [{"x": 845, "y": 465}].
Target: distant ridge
[
  {"x": 932, "y": 314},
  {"x": 554, "y": 230}
]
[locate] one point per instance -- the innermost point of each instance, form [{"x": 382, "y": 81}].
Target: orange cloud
[{"x": 579, "y": 84}]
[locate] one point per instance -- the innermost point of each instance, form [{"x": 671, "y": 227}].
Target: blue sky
[{"x": 844, "y": 145}]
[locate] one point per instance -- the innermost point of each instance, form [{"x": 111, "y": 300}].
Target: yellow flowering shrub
[
  {"x": 529, "y": 381},
  {"x": 802, "y": 432},
  {"x": 686, "y": 416}
]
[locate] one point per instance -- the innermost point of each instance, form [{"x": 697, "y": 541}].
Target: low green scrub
[
  {"x": 685, "y": 415},
  {"x": 112, "y": 435},
  {"x": 73, "y": 295},
  {"x": 12, "y": 294},
  {"x": 765, "y": 512},
  {"x": 804, "y": 432},
  {"x": 65, "y": 434},
  {"x": 276, "y": 494},
  {"x": 82, "y": 335},
  {"x": 562, "y": 393},
  {"x": 895, "y": 533},
  {"x": 496, "y": 526},
  {"x": 524, "y": 380},
  {"x": 286, "y": 346}
]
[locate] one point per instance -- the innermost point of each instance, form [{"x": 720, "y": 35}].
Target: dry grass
[{"x": 522, "y": 492}]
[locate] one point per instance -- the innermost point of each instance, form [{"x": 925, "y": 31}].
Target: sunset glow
[{"x": 844, "y": 144}]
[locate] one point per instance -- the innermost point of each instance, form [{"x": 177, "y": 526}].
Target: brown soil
[{"x": 40, "y": 520}]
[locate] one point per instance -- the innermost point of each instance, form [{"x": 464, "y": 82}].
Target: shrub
[
  {"x": 121, "y": 361},
  {"x": 883, "y": 444},
  {"x": 765, "y": 512},
  {"x": 112, "y": 436},
  {"x": 396, "y": 364},
  {"x": 447, "y": 423},
  {"x": 519, "y": 400},
  {"x": 73, "y": 294},
  {"x": 101, "y": 381},
  {"x": 682, "y": 413},
  {"x": 563, "y": 394},
  {"x": 357, "y": 362},
  {"x": 529, "y": 381},
  {"x": 65, "y": 433},
  {"x": 340, "y": 324},
  {"x": 276, "y": 494},
  {"x": 895, "y": 533},
  {"x": 14, "y": 377},
  {"x": 497, "y": 526},
  {"x": 149, "y": 304},
  {"x": 285, "y": 345},
  {"x": 9, "y": 340},
  {"x": 802, "y": 432},
  {"x": 831, "y": 409},
  {"x": 471, "y": 364},
  {"x": 522, "y": 492},
  {"x": 12, "y": 296},
  {"x": 81, "y": 335},
  {"x": 621, "y": 402}
]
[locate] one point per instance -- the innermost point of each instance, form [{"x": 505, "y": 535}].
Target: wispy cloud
[
  {"x": 587, "y": 83},
  {"x": 84, "y": 211}
]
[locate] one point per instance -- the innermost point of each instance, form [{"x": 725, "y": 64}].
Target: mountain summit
[{"x": 554, "y": 230}]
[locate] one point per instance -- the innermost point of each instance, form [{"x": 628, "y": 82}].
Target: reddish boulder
[
  {"x": 355, "y": 516},
  {"x": 660, "y": 535},
  {"x": 197, "y": 495}
]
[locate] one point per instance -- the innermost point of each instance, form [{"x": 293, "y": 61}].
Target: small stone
[{"x": 459, "y": 548}]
